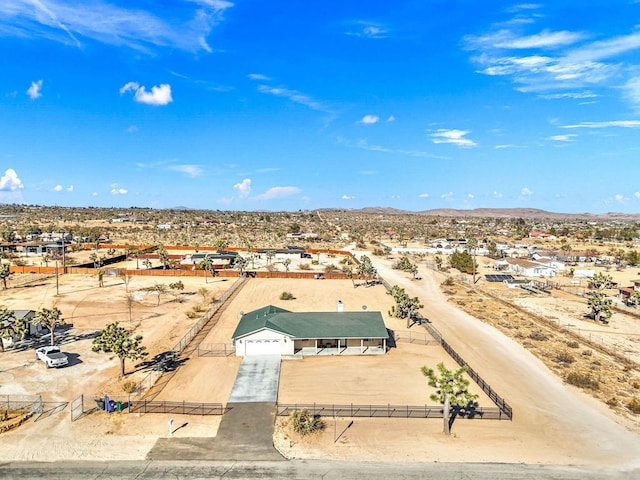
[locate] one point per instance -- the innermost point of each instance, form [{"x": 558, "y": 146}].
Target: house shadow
[{"x": 391, "y": 341}]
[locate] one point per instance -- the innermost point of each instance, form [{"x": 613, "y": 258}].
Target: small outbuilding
[{"x": 275, "y": 331}]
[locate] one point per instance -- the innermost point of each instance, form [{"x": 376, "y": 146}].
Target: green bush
[
  {"x": 304, "y": 423},
  {"x": 287, "y": 296}
]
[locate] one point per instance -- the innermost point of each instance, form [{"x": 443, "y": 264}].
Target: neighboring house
[
  {"x": 626, "y": 292},
  {"x": 526, "y": 268},
  {"x": 28, "y": 315},
  {"x": 275, "y": 331}
]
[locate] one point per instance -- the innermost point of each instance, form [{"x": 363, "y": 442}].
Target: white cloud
[
  {"x": 526, "y": 192},
  {"x": 119, "y": 191},
  {"x": 192, "y": 171},
  {"x": 496, "y": 194},
  {"x": 619, "y": 198},
  {"x": 369, "y": 119},
  {"x": 455, "y": 137},
  {"x": 278, "y": 192},
  {"x": 364, "y": 145},
  {"x": 544, "y": 39},
  {"x": 94, "y": 194},
  {"x": 67, "y": 21},
  {"x": 159, "y": 95},
  {"x": 70, "y": 188},
  {"x": 507, "y": 145},
  {"x": 563, "y": 138},
  {"x": 10, "y": 182},
  {"x": 470, "y": 196},
  {"x": 637, "y": 195},
  {"x": 57, "y": 188},
  {"x": 575, "y": 95},
  {"x": 632, "y": 90},
  {"x": 34, "y": 91},
  {"x": 613, "y": 123},
  {"x": 424, "y": 195},
  {"x": 447, "y": 197},
  {"x": 244, "y": 187},
  {"x": 368, "y": 30},
  {"x": 295, "y": 97},
  {"x": 347, "y": 197},
  {"x": 391, "y": 118},
  {"x": 258, "y": 76}
]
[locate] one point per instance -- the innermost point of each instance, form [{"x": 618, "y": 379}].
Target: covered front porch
[{"x": 360, "y": 346}]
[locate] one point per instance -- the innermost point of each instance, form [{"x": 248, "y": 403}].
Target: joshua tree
[
  {"x": 240, "y": 263},
  {"x": 286, "y": 262},
  {"x": 600, "y": 306},
  {"x": 452, "y": 391},
  {"x": 206, "y": 265},
  {"x": 117, "y": 340},
  {"x": 5, "y": 273},
  {"x": 163, "y": 255},
  {"x": 10, "y": 327},
  {"x": 405, "y": 307},
  {"x": 49, "y": 318}
]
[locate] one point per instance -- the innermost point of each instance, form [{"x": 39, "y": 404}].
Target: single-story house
[
  {"x": 275, "y": 331},
  {"x": 28, "y": 315},
  {"x": 526, "y": 268}
]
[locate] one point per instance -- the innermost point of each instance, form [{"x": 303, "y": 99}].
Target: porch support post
[{"x": 362, "y": 345}]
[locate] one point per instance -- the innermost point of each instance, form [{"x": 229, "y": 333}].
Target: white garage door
[{"x": 262, "y": 347}]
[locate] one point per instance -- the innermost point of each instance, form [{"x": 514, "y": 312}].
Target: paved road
[{"x": 298, "y": 470}]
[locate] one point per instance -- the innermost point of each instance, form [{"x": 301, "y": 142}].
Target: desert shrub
[
  {"x": 634, "y": 405},
  {"x": 287, "y": 296},
  {"x": 573, "y": 344},
  {"x": 627, "y": 368},
  {"x": 304, "y": 266},
  {"x": 564, "y": 357},
  {"x": 587, "y": 352},
  {"x": 191, "y": 314},
  {"x": 304, "y": 423},
  {"x": 635, "y": 385},
  {"x": 378, "y": 252},
  {"x": 315, "y": 262},
  {"x": 129, "y": 386},
  {"x": 538, "y": 335},
  {"x": 612, "y": 402},
  {"x": 448, "y": 282},
  {"x": 583, "y": 380}
]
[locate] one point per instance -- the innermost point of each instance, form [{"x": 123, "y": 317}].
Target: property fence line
[
  {"x": 216, "y": 350},
  {"x": 502, "y": 405},
  {"x": 17, "y": 402},
  {"x": 388, "y": 411},
  {"x": 182, "y": 408},
  {"x": 413, "y": 337},
  {"x": 50, "y": 408}
]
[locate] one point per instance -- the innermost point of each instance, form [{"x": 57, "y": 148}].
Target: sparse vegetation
[
  {"x": 287, "y": 296},
  {"x": 304, "y": 423},
  {"x": 583, "y": 380}
]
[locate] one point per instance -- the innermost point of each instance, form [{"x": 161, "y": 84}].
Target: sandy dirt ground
[{"x": 553, "y": 423}]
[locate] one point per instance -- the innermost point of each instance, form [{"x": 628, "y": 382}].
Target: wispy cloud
[
  {"x": 366, "y": 29},
  {"x": 364, "y": 145},
  {"x": 119, "y": 191},
  {"x": 347, "y": 197},
  {"x": 66, "y": 21},
  {"x": 448, "y": 197},
  {"x": 296, "y": 97},
  {"x": 259, "y": 77},
  {"x": 563, "y": 138},
  {"x": 35, "y": 90},
  {"x": 57, "y": 188},
  {"x": 243, "y": 188},
  {"x": 423, "y": 195},
  {"x": 452, "y": 136},
  {"x": 613, "y": 123},
  {"x": 189, "y": 170},
  {"x": 553, "y": 62},
  {"x": 160, "y": 95},
  {"x": 278, "y": 192},
  {"x": 369, "y": 119},
  {"x": 525, "y": 192}
]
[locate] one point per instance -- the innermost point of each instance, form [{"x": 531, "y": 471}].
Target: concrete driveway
[{"x": 257, "y": 380}]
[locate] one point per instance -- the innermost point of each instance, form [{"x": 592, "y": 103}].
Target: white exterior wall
[{"x": 285, "y": 342}]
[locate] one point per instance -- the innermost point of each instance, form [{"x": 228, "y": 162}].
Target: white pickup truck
[{"x": 52, "y": 356}]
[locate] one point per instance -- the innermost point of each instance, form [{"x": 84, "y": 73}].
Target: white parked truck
[{"x": 52, "y": 356}]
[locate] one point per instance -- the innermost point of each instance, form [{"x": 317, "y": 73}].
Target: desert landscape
[{"x": 523, "y": 345}]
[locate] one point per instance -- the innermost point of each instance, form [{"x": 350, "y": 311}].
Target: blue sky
[{"x": 264, "y": 105}]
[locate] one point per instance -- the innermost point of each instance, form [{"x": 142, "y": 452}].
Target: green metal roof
[{"x": 313, "y": 325}]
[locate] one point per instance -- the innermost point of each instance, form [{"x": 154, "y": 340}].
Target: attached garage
[{"x": 262, "y": 347}]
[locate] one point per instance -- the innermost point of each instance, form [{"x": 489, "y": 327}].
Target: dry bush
[
  {"x": 564, "y": 357},
  {"x": 287, "y": 296},
  {"x": 583, "y": 380},
  {"x": 304, "y": 423},
  {"x": 129, "y": 386},
  {"x": 634, "y": 405},
  {"x": 538, "y": 335},
  {"x": 573, "y": 344},
  {"x": 304, "y": 266}
]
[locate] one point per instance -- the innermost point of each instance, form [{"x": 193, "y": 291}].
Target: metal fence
[
  {"x": 502, "y": 405},
  {"x": 413, "y": 337},
  {"x": 182, "y": 408},
  {"x": 216, "y": 350},
  {"x": 18, "y": 402},
  {"x": 388, "y": 411}
]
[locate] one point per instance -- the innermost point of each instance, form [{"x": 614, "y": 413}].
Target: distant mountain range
[{"x": 505, "y": 213}]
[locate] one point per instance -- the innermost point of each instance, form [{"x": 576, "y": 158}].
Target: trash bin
[
  {"x": 100, "y": 403},
  {"x": 118, "y": 406}
]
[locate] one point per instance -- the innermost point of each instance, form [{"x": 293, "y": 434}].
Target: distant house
[
  {"x": 28, "y": 315},
  {"x": 526, "y": 268},
  {"x": 275, "y": 331}
]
